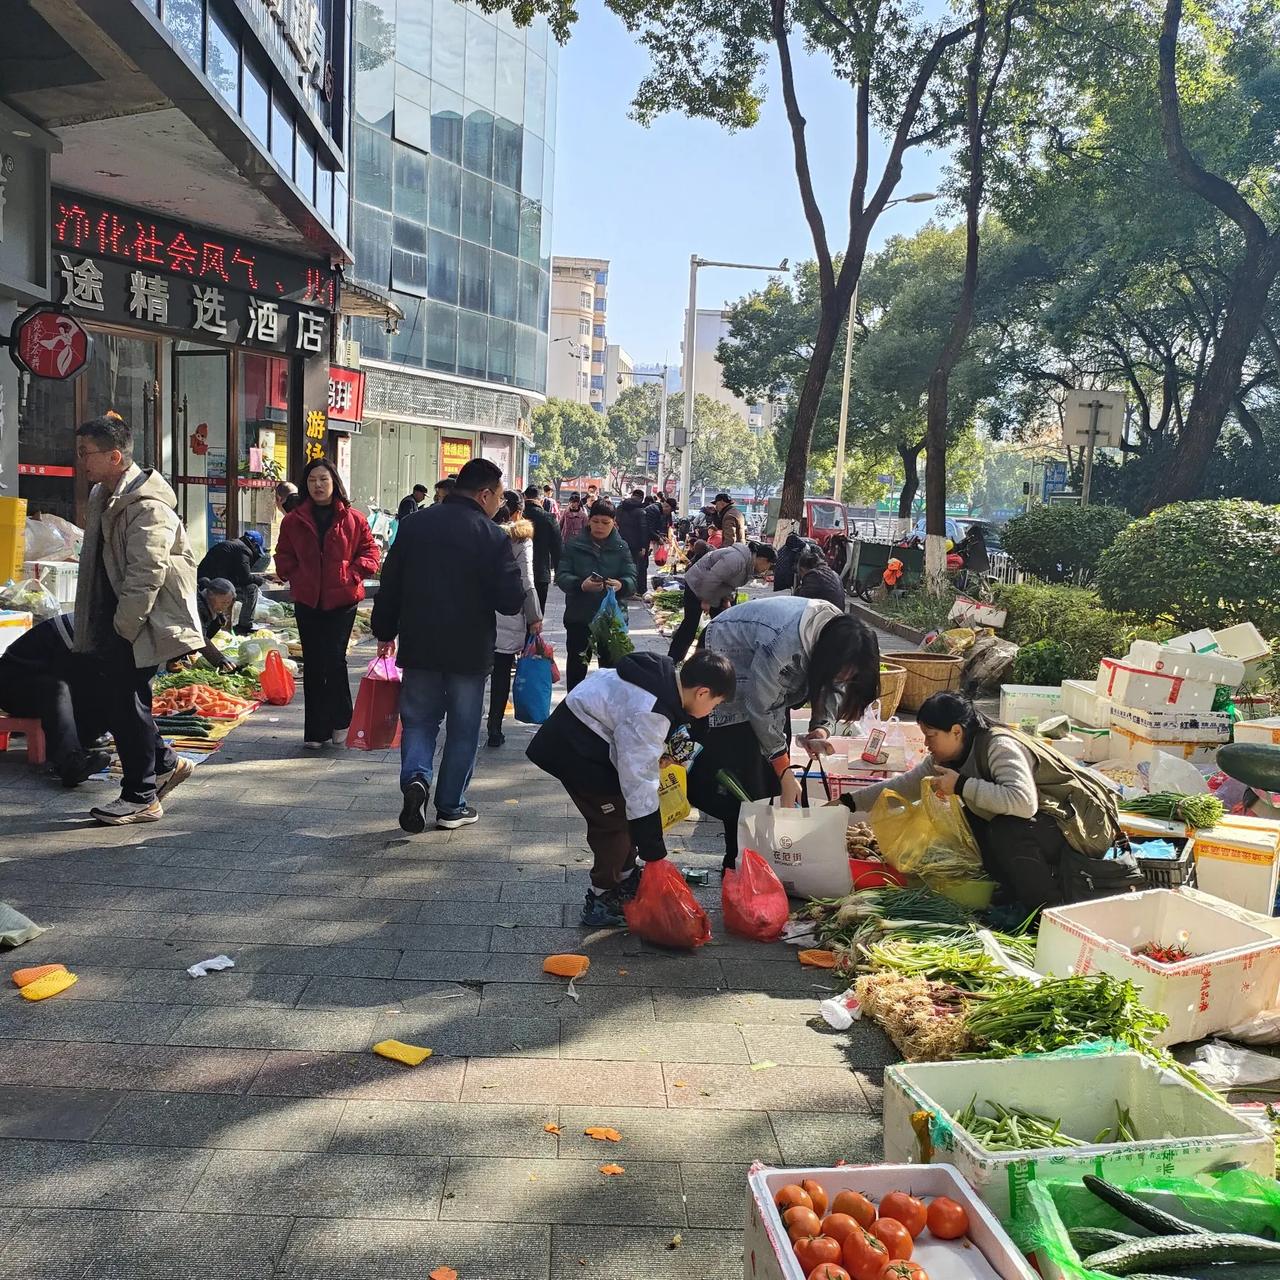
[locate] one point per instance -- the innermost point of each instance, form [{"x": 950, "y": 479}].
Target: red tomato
[
  {"x": 894, "y": 1236},
  {"x": 800, "y": 1221},
  {"x": 858, "y": 1207},
  {"x": 813, "y": 1251},
  {"x": 791, "y": 1195},
  {"x": 901, "y": 1269},
  {"x": 839, "y": 1225},
  {"x": 906, "y": 1209},
  {"x": 818, "y": 1194},
  {"x": 947, "y": 1219},
  {"x": 829, "y": 1271},
  {"x": 865, "y": 1256}
]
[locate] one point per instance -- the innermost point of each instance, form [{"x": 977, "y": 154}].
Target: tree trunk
[
  {"x": 1213, "y": 398},
  {"x": 910, "y": 455}
]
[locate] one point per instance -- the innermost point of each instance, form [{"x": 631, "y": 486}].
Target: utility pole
[
  {"x": 1095, "y": 408},
  {"x": 838, "y": 484},
  {"x": 686, "y": 379}
]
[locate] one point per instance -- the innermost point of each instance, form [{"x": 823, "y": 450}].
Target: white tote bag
[{"x": 805, "y": 847}]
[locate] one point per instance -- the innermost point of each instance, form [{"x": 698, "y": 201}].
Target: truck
[{"x": 822, "y": 518}]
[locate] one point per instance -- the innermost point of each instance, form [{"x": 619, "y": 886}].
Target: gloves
[{"x": 646, "y": 835}]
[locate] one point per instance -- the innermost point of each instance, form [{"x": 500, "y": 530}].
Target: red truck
[{"x": 823, "y": 517}]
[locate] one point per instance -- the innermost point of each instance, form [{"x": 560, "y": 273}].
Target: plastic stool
[{"x": 33, "y": 732}]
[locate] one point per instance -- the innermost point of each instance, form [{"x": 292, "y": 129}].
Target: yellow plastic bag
[
  {"x": 673, "y": 794},
  {"x": 929, "y": 838}
]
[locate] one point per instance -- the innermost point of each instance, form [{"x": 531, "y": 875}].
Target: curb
[{"x": 864, "y": 613}]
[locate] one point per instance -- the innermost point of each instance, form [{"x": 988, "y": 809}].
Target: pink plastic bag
[
  {"x": 754, "y": 901},
  {"x": 375, "y": 721},
  {"x": 664, "y": 911}
]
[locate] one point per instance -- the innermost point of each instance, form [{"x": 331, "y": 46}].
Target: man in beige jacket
[{"x": 135, "y": 610}]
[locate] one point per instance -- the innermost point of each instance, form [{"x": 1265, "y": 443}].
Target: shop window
[
  {"x": 445, "y": 190},
  {"x": 442, "y": 268},
  {"x": 442, "y": 337},
  {"x": 474, "y": 277},
  {"x": 256, "y": 103},
  {"x": 185, "y": 19},
  {"x": 222, "y": 60},
  {"x": 281, "y": 137},
  {"x": 262, "y": 418},
  {"x": 473, "y": 332},
  {"x": 507, "y": 145},
  {"x": 477, "y": 209}
]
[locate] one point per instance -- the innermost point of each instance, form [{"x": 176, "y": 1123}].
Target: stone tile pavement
[{"x": 237, "y": 1126}]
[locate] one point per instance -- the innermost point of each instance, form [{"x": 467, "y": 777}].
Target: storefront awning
[{"x": 361, "y": 300}]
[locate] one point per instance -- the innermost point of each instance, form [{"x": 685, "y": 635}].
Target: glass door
[
  {"x": 262, "y": 440},
  {"x": 201, "y": 377}
]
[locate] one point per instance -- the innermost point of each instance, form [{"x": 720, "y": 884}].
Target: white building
[
  {"x": 579, "y": 313},
  {"x": 619, "y": 370},
  {"x": 710, "y": 328}
]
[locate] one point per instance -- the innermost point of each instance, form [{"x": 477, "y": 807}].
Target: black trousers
[
  {"x": 1022, "y": 855},
  {"x": 248, "y": 597},
  {"x": 576, "y": 640},
  {"x": 541, "y": 589},
  {"x": 49, "y": 699},
  {"x": 500, "y": 689},
  {"x": 735, "y": 749},
  {"x": 682, "y": 638},
  {"x": 641, "y": 561},
  {"x": 122, "y": 697},
  {"x": 326, "y": 687}
]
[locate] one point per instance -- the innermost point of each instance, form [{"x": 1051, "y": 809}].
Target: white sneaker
[
  {"x": 165, "y": 782},
  {"x": 122, "y": 812},
  {"x": 339, "y": 738},
  {"x": 312, "y": 746}
]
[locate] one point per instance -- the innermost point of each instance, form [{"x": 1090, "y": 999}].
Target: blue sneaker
[
  {"x": 602, "y": 910},
  {"x": 630, "y": 885}
]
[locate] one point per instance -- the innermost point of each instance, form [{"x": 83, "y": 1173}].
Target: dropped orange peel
[
  {"x": 566, "y": 965},
  {"x": 611, "y": 1170},
  {"x": 443, "y": 1273},
  {"x": 818, "y": 959},
  {"x": 24, "y": 977},
  {"x": 602, "y": 1134},
  {"x": 550, "y": 1128}
]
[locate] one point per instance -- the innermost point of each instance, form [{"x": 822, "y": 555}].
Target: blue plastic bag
[
  {"x": 531, "y": 686},
  {"x": 608, "y": 630}
]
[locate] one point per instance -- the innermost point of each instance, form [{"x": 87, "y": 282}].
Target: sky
[{"x": 648, "y": 198}]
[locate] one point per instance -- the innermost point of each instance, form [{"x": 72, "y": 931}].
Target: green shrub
[
  {"x": 1042, "y": 662},
  {"x": 1062, "y": 544},
  {"x": 1199, "y": 564},
  {"x": 1074, "y": 618}
]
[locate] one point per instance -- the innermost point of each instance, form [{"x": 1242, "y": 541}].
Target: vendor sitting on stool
[{"x": 994, "y": 775}]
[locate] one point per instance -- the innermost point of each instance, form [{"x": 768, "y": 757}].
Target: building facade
[
  {"x": 711, "y": 327},
  {"x": 454, "y": 157},
  {"x": 619, "y": 373},
  {"x": 195, "y": 225},
  {"x": 579, "y": 330}
]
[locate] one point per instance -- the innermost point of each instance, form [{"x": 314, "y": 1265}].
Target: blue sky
[{"x": 648, "y": 198}]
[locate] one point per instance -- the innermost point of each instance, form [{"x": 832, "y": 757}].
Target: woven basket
[
  {"x": 892, "y": 680},
  {"x": 926, "y": 673}
]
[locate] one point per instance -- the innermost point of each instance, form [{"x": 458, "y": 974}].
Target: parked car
[
  {"x": 958, "y": 527},
  {"x": 822, "y": 518}
]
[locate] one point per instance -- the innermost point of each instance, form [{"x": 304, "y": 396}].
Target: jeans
[
  {"x": 1022, "y": 855},
  {"x": 326, "y": 686},
  {"x": 641, "y": 561},
  {"x": 500, "y": 690},
  {"x": 426, "y": 699},
  {"x": 123, "y": 696},
  {"x": 248, "y": 597}
]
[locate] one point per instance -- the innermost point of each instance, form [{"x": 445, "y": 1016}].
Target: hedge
[{"x": 1060, "y": 543}]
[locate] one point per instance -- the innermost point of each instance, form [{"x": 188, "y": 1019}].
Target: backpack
[{"x": 1081, "y": 804}]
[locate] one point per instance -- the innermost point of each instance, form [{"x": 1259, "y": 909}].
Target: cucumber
[
  {"x": 1140, "y": 1256},
  {"x": 1089, "y": 1240},
  {"x": 1145, "y": 1215},
  {"x": 1253, "y": 763}
]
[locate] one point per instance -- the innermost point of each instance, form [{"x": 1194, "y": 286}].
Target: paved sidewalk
[{"x": 237, "y": 1126}]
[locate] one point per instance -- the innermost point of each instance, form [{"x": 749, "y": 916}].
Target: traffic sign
[
  {"x": 1055, "y": 479},
  {"x": 534, "y": 459},
  {"x": 653, "y": 457},
  {"x": 1095, "y": 417},
  {"x": 49, "y": 343}
]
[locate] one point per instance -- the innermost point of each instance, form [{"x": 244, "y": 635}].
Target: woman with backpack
[{"x": 1041, "y": 822}]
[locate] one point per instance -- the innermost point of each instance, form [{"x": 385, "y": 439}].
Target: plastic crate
[{"x": 1167, "y": 873}]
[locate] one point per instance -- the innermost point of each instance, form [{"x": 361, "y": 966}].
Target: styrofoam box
[
  {"x": 1215, "y": 668},
  {"x": 1082, "y": 702},
  {"x": 1234, "y": 974},
  {"x": 1201, "y": 641},
  {"x": 1017, "y": 701},
  {"x": 1239, "y": 861},
  {"x": 767, "y": 1253},
  {"x": 1132, "y": 747},
  {"x": 1182, "y": 1131},
  {"x": 1134, "y": 686},
  {"x": 1246, "y": 642},
  {"x": 1266, "y": 731},
  {"x": 13, "y": 623},
  {"x": 1097, "y": 743},
  {"x": 1174, "y": 725}
]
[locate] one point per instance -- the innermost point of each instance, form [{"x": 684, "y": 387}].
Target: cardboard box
[
  {"x": 1234, "y": 975},
  {"x": 1181, "y": 1130},
  {"x": 1212, "y": 668},
  {"x": 1174, "y": 725},
  {"x": 967, "y": 612},
  {"x": 1265, "y": 731},
  {"x": 1019, "y": 701},
  {"x": 1134, "y": 686},
  {"x": 1084, "y": 704},
  {"x": 767, "y": 1253},
  {"x": 1239, "y": 861}
]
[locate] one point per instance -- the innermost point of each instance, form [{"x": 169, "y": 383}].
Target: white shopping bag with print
[{"x": 805, "y": 847}]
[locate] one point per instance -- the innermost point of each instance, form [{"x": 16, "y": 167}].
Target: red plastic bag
[
  {"x": 754, "y": 901},
  {"x": 277, "y": 681},
  {"x": 660, "y": 556},
  {"x": 375, "y": 721},
  {"x": 664, "y": 911}
]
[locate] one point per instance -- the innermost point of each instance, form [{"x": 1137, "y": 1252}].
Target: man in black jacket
[
  {"x": 412, "y": 502},
  {"x": 547, "y": 543},
  {"x": 448, "y": 572},
  {"x": 233, "y": 560},
  {"x": 633, "y": 525}
]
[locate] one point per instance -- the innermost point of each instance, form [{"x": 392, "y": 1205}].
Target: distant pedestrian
[
  {"x": 596, "y": 560},
  {"x": 235, "y": 559},
  {"x": 325, "y": 553},
  {"x": 444, "y": 487},
  {"x": 449, "y": 571},
  {"x": 547, "y": 544},
  {"x": 549, "y": 502},
  {"x": 573, "y": 519},
  {"x": 135, "y": 609},
  {"x": 659, "y": 513},
  {"x": 711, "y": 586},
  {"x": 817, "y": 580},
  {"x": 287, "y": 497},
  {"x": 516, "y": 517},
  {"x": 633, "y": 525},
  {"x": 733, "y": 527},
  {"x": 411, "y": 501}
]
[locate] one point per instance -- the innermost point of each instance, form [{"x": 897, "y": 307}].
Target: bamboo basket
[
  {"x": 892, "y": 680},
  {"x": 926, "y": 673}
]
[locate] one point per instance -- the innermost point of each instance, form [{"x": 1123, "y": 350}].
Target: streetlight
[
  {"x": 662, "y": 416},
  {"x": 690, "y": 327},
  {"x": 920, "y": 197},
  {"x": 578, "y": 352}
]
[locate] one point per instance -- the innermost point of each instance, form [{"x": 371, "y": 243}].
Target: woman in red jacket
[{"x": 325, "y": 551}]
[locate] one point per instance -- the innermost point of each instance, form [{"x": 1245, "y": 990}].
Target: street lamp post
[
  {"x": 662, "y": 418},
  {"x": 686, "y": 377},
  {"x": 575, "y": 353},
  {"x": 920, "y": 197}
]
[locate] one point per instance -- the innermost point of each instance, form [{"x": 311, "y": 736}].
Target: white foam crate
[
  {"x": 1082, "y": 702},
  {"x": 1134, "y": 748},
  {"x": 1234, "y": 975},
  {"x": 1265, "y": 731},
  {"x": 1130, "y": 685},
  {"x": 1246, "y": 642},
  {"x": 1202, "y": 641},
  {"x": 1018, "y": 701},
  {"x": 57, "y": 576},
  {"x": 1239, "y": 861},
  {"x": 13, "y": 624},
  {"x": 1174, "y": 725},
  {"x": 1213, "y": 668},
  {"x": 1181, "y": 1130},
  {"x": 767, "y": 1253}
]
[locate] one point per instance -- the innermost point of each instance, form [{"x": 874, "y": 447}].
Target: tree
[
  {"x": 765, "y": 471},
  {"x": 724, "y": 450},
  {"x": 570, "y": 440}
]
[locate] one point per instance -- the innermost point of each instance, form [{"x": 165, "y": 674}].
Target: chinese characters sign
[
  {"x": 346, "y": 394},
  {"x": 313, "y": 446},
  {"x": 454, "y": 455},
  {"x": 49, "y": 343}
]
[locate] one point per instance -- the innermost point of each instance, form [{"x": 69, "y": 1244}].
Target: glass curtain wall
[{"x": 453, "y": 157}]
